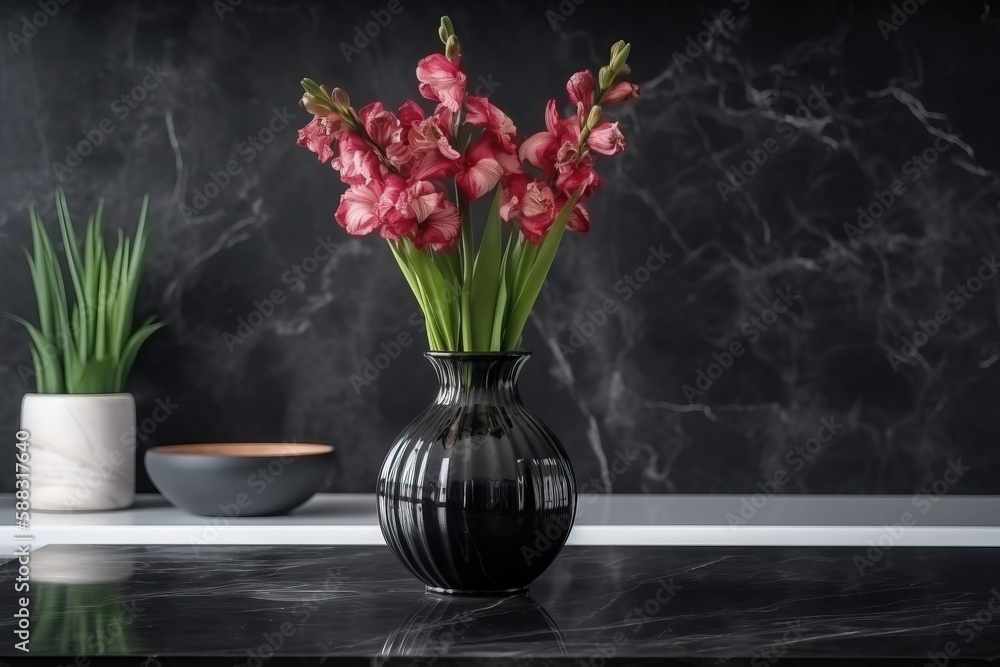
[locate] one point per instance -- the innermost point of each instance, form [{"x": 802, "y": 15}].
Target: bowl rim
[{"x": 243, "y": 450}]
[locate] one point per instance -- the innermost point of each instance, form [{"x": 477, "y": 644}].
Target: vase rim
[
  {"x": 117, "y": 394},
  {"x": 459, "y": 355}
]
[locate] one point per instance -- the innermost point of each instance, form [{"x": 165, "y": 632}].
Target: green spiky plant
[{"x": 89, "y": 349}]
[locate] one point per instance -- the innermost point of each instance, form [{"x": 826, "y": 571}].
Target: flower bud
[
  {"x": 314, "y": 106},
  {"x": 452, "y": 49},
  {"x": 619, "y": 58},
  {"x": 443, "y": 34},
  {"x": 595, "y": 118},
  {"x": 616, "y": 47},
  {"x": 605, "y": 77},
  {"x": 447, "y": 28},
  {"x": 624, "y": 70},
  {"x": 341, "y": 99}
]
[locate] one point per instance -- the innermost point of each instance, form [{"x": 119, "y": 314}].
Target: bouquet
[{"x": 396, "y": 167}]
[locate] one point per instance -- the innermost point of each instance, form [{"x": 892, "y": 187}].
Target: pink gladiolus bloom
[
  {"x": 396, "y": 220},
  {"x": 356, "y": 212},
  {"x": 356, "y": 161},
  {"x": 512, "y": 196},
  {"x": 441, "y": 228},
  {"x": 579, "y": 219},
  {"x": 314, "y": 136},
  {"x": 483, "y": 114},
  {"x": 557, "y": 146},
  {"x": 410, "y": 113},
  {"x": 574, "y": 176},
  {"x": 319, "y": 135},
  {"x": 388, "y": 133},
  {"x": 419, "y": 200},
  {"x": 606, "y": 139},
  {"x": 504, "y": 150},
  {"x": 441, "y": 80},
  {"x": 620, "y": 93},
  {"x": 433, "y": 153},
  {"x": 381, "y": 125},
  {"x": 480, "y": 170},
  {"x": 538, "y": 211},
  {"x": 580, "y": 88},
  {"x": 540, "y": 149}
]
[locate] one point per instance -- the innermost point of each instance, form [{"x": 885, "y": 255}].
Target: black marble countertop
[{"x": 162, "y": 605}]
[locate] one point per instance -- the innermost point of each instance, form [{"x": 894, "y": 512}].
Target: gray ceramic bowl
[{"x": 234, "y": 480}]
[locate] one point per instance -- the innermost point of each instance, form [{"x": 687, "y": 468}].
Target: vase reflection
[{"x": 438, "y": 626}]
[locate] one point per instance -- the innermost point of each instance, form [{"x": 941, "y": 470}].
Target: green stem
[{"x": 466, "y": 250}]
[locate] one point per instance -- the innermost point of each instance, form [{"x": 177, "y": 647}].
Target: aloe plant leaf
[
  {"x": 135, "y": 341},
  {"x": 73, "y": 261},
  {"x": 43, "y": 354}
]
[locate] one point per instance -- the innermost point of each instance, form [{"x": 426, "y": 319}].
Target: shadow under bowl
[{"x": 239, "y": 479}]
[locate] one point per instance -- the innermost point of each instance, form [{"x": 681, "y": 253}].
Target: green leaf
[
  {"x": 38, "y": 266},
  {"x": 507, "y": 271},
  {"x": 448, "y": 266},
  {"x": 115, "y": 333},
  {"x": 47, "y": 371},
  {"x": 72, "y": 251},
  {"x": 82, "y": 347},
  {"x": 465, "y": 248},
  {"x": 486, "y": 279},
  {"x": 437, "y": 296},
  {"x": 535, "y": 276},
  {"x": 41, "y": 382},
  {"x": 433, "y": 338},
  {"x": 135, "y": 341}
]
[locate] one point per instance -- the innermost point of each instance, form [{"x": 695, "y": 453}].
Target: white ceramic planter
[{"x": 82, "y": 451}]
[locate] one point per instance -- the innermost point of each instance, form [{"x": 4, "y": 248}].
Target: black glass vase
[{"x": 476, "y": 496}]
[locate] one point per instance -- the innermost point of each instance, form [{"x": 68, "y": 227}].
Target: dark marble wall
[{"x": 775, "y": 349}]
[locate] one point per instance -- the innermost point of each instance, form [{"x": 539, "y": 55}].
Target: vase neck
[{"x": 478, "y": 378}]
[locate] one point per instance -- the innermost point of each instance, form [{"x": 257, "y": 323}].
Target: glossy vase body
[{"x": 477, "y": 496}]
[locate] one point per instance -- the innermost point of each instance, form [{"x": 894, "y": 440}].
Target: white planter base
[{"x": 81, "y": 449}]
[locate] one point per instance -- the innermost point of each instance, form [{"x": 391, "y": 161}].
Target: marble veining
[
  {"x": 794, "y": 156},
  {"x": 712, "y": 604}
]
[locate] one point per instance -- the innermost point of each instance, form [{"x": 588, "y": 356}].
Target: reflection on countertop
[{"x": 246, "y": 602}]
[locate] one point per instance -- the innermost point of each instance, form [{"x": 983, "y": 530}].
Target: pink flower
[
  {"x": 388, "y": 133},
  {"x": 515, "y": 187},
  {"x": 499, "y": 132},
  {"x": 410, "y": 113},
  {"x": 505, "y": 150},
  {"x": 319, "y": 135},
  {"x": 382, "y": 126},
  {"x": 620, "y": 93},
  {"x": 441, "y": 80},
  {"x": 574, "y": 175},
  {"x": 395, "y": 220},
  {"x": 419, "y": 200},
  {"x": 606, "y": 139},
  {"x": 480, "y": 170},
  {"x": 580, "y": 88},
  {"x": 579, "y": 219},
  {"x": 483, "y": 114},
  {"x": 356, "y": 212},
  {"x": 441, "y": 228},
  {"x": 356, "y": 161},
  {"x": 430, "y": 143},
  {"x": 538, "y": 211},
  {"x": 540, "y": 149}
]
